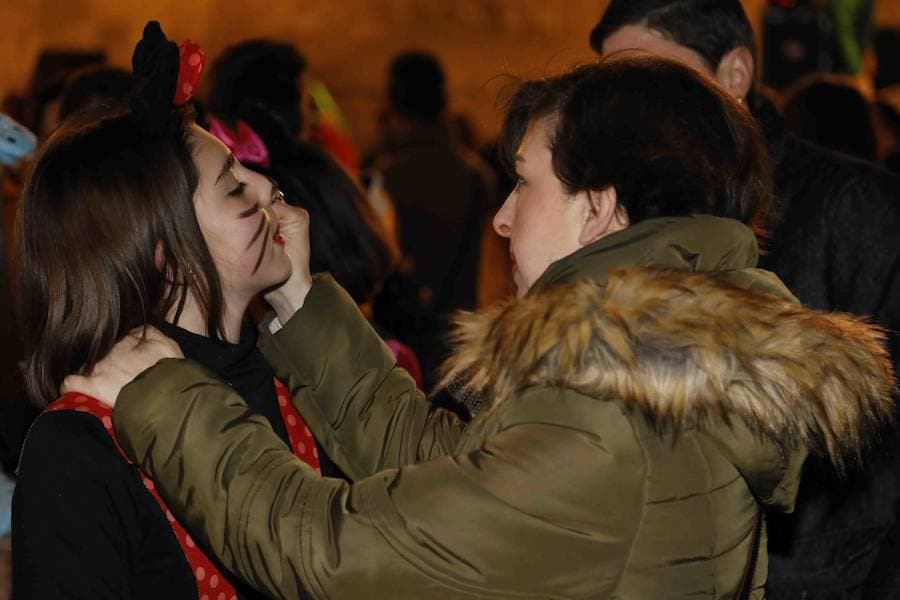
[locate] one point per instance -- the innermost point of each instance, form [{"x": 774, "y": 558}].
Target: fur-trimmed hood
[{"x": 688, "y": 349}]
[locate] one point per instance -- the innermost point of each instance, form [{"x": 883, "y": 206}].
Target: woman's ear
[{"x": 604, "y": 216}]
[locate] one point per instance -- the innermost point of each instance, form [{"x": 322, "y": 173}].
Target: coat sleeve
[
  {"x": 366, "y": 412},
  {"x": 532, "y": 514}
]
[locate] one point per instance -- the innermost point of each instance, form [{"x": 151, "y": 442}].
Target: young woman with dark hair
[
  {"x": 645, "y": 397},
  {"x": 130, "y": 218}
]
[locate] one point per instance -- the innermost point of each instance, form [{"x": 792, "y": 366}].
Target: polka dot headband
[{"x": 191, "y": 59}]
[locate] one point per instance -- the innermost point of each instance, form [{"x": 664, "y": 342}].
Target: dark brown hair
[
  {"x": 100, "y": 199},
  {"x": 669, "y": 140}
]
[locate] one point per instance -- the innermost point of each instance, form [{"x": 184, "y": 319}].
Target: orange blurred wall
[{"x": 348, "y": 42}]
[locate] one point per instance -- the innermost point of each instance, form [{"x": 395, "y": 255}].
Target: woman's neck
[{"x": 193, "y": 320}]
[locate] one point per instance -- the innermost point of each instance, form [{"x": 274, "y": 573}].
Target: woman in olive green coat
[{"x": 648, "y": 393}]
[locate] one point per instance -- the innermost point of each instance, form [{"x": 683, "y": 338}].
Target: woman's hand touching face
[
  {"x": 130, "y": 357},
  {"x": 293, "y": 227}
]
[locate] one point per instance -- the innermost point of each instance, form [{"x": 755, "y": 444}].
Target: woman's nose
[
  {"x": 269, "y": 192},
  {"x": 503, "y": 219}
]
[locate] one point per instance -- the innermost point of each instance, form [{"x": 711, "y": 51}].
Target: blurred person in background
[
  {"x": 93, "y": 86},
  {"x": 16, "y": 145},
  {"x": 833, "y": 113},
  {"x": 442, "y": 193},
  {"x": 264, "y": 72},
  {"x": 272, "y": 74},
  {"x": 887, "y": 112}
]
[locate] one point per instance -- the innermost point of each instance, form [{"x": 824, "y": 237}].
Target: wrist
[{"x": 288, "y": 298}]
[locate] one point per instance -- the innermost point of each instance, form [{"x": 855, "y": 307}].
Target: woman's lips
[
  {"x": 278, "y": 239},
  {"x": 512, "y": 260}
]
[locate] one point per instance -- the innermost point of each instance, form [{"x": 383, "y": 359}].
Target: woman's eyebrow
[{"x": 229, "y": 164}]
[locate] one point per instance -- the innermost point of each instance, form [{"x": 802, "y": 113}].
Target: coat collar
[
  {"x": 697, "y": 243},
  {"x": 694, "y": 339}
]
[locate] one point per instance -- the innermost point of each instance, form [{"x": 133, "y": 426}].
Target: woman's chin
[
  {"x": 521, "y": 288},
  {"x": 277, "y": 278}
]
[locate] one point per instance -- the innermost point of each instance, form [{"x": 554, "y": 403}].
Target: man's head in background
[
  {"x": 416, "y": 93},
  {"x": 713, "y": 36}
]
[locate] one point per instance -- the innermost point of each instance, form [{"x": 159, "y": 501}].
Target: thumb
[{"x": 74, "y": 383}]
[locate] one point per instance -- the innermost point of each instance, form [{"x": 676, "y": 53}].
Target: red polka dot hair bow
[{"x": 190, "y": 64}]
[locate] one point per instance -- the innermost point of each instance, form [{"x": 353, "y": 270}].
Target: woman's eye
[{"x": 239, "y": 190}]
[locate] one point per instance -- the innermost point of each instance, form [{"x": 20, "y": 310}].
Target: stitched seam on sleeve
[{"x": 242, "y": 553}]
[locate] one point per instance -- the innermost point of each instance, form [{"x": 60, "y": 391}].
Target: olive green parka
[{"x": 641, "y": 402}]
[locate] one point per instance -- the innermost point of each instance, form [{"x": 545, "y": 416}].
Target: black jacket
[{"x": 836, "y": 244}]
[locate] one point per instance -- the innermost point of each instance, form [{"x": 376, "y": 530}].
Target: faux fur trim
[{"x": 685, "y": 348}]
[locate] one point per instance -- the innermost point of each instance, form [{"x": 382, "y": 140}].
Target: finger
[
  {"x": 153, "y": 334},
  {"x": 168, "y": 347},
  {"x": 132, "y": 340},
  {"x": 73, "y": 383}
]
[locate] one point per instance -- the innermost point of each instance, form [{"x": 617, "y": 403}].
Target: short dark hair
[
  {"x": 259, "y": 71},
  {"x": 666, "y": 138},
  {"x": 417, "y": 86},
  {"x": 100, "y": 198},
  {"x": 94, "y": 85},
  {"x": 711, "y": 28},
  {"x": 833, "y": 114}
]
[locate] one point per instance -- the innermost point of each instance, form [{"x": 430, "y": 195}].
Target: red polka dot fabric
[
  {"x": 211, "y": 584},
  {"x": 302, "y": 442},
  {"x": 191, "y": 59}
]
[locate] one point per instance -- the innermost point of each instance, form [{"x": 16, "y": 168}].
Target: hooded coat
[{"x": 651, "y": 392}]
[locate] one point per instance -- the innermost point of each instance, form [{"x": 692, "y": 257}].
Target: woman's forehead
[
  {"x": 536, "y": 138},
  {"x": 210, "y": 155}
]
